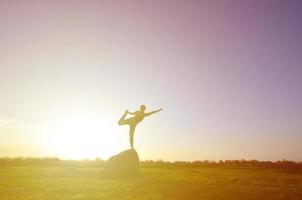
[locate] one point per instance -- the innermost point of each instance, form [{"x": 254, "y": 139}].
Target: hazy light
[{"x": 81, "y": 135}]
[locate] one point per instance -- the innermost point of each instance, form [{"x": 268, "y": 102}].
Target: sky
[{"x": 228, "y": 75}]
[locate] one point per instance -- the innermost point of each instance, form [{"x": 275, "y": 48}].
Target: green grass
[{"x": 68, "y": 183}]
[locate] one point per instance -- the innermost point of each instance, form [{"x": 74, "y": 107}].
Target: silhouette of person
[{"x": 136, "y": 119}]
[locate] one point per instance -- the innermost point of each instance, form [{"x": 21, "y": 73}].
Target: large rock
[{"x": 124, "y": 164}]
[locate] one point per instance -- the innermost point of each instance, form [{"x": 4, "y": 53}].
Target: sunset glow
[
  {"x": 81, "y": 135},
  {"x": 227, "y": 75}
]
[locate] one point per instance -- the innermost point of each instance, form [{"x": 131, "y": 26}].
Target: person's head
[{"x": 142, "y": 108}]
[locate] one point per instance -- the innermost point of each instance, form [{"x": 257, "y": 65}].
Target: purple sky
[{"x": 227, "y": 73}]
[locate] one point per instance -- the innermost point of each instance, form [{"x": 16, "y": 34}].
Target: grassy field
[{"x": 63, "y": 182}]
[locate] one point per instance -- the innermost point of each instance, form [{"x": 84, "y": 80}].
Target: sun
[{"x": 82, "y": 135}]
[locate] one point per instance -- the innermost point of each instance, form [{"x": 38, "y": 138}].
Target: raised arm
[{"x": 151, "y": 113}]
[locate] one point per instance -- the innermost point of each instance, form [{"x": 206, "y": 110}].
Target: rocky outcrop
[{"x": 124, "y": 164}]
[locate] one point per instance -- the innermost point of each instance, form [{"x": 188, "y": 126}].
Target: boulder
[{"x": 124, "y": 164}]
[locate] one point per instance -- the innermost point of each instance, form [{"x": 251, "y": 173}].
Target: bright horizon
[{"x": 228, "y": 76}]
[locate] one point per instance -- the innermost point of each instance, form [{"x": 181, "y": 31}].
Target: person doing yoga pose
[{"x": 136, "y": 119}]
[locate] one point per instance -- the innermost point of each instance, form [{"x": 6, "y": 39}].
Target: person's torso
[{"x": 139, "y": 116}]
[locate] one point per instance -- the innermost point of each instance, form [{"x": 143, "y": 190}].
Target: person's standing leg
[{"x": 132, "y": 129}]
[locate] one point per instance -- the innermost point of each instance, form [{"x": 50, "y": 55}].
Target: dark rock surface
[{"x": 124, "y": 164}]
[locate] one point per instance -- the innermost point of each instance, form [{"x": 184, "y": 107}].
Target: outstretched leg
[
  {"x": 132, "y": 129},
  {"x": 122, "y": 121}
]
